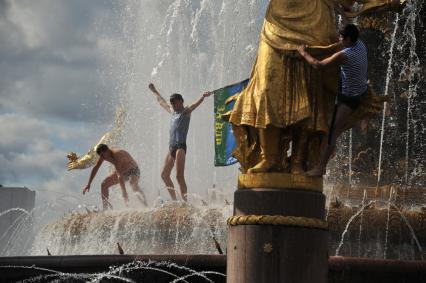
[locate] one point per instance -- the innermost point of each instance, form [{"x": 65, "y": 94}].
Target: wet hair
[
  {"x": 101, "y": 148},
  {"x": 175, "y": 96},
  {"x": 350, "y": 31}
]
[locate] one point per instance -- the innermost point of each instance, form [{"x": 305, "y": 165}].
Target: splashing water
[
  {"x": 186, "y": 47},
  {"x": 404, "y": 39},
  {"x": 14, "y": 209},
  {"x": 387, "y": 223},
  {"x": 174, "y": 228},
  {"x": 389, "y": 74},
  {"x": 364, "y": 198},
  {"x": 413, "y": 235},
  {"x": 124, "y": 273},
  {"x": 401, "y": 129}
]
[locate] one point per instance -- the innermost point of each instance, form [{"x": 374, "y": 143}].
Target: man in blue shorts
[{"x": 179, "y": 125}]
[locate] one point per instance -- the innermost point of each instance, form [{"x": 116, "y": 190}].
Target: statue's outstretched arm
[
  {"x": 370, "y": 6},
  {"x": 90, "y": 158}
]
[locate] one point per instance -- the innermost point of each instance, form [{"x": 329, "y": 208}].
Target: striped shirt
[{"x": 353, "y": 71}]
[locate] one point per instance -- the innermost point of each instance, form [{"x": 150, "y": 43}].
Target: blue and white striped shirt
[{"x": 353, "y": 71}]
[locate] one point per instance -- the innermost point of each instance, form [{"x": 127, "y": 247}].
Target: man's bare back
[
  {"x": 122, "y": 161},
  {"x": 126, "y": 169}
]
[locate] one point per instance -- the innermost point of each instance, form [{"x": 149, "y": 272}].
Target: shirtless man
[
  {"x": 126, "y": 169},
  {"x": 179, "y": 125}
]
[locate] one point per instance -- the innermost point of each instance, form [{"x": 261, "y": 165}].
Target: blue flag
[{"x": 224, "y": 138}]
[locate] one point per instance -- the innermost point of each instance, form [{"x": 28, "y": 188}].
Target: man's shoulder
[
  {"x": 186, "y": 111},
  {"x": 361, "y": 44},
  {"x": 119, "y": 150}
]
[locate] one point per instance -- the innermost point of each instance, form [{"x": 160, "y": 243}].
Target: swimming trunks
[
  {"x": 132, "y": 172},
  {"x": 175, "y": 147}
]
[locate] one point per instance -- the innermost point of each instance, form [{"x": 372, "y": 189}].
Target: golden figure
[
  {"x": 110, "y": 138},
  {"x": 287, "y": 99},
  {"x": 90, "y": 158}
]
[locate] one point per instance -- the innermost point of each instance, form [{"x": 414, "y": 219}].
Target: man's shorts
[
  {"x": 353, "y": 102},
  {"x": 132, "y": 172},
  {"x": 175, "y": 147}
]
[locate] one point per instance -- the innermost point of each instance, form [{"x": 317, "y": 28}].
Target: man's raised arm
[
  {"x": 192, "y": 107},
  {"x": 163, "y": 103}
]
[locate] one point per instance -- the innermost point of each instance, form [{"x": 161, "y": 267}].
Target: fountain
[
  {"x": 174, "y": 228},
  {"x": 374, "y": 186}
]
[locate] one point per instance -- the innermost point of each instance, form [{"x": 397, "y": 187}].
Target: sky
[{"x": 54, "y": 97}]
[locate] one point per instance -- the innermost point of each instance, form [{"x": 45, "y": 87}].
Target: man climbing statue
[{"x": 353, "y": 87}]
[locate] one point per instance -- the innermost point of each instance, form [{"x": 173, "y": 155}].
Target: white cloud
[
  {"x": 28, "y": 22},
  {"x": 28, "y": 149},
  {"x": 18, "y": 132},
  {"x": 50, "y": 57}
]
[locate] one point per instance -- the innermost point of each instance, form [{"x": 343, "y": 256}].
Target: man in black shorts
[
  {"x": 179, "y": 125},
  {"x": 126, "y": 169}
]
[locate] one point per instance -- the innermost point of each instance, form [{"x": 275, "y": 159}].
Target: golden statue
[
  {"x": 287, "y": 99},
  {"x": 110, "y": 138}
]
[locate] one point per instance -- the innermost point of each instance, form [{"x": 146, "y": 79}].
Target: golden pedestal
[{"x": 280, "y": 181}]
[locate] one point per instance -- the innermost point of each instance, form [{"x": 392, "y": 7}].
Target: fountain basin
[{"x": 376, "y": 233}]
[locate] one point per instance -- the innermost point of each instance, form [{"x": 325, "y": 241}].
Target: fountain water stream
[
  {"x": 389, "y": 74},
  {"x": 390, "y": 205},
  {"x": 187, "y": 47},
  {"x": 395, "y": 72}
]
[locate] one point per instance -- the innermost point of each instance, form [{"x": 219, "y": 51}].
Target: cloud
[
  {"x": 28, "y": 149},
  {"x": 56, "y": 94},
  {"x": 49, "y": 60},
  {"x": 33, "y": 154}
]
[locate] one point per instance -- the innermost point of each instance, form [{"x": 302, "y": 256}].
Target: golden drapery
[{"x": 284, "y": 91}]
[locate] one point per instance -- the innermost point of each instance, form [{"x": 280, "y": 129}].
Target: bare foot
[
  {"x": 316, "y": 172},
  {"x": 262, "y": 167}
]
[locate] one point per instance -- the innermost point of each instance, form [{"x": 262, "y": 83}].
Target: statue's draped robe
[{"x": 284, "y": 89}]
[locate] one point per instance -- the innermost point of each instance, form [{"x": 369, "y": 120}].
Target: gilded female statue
[{"x": 287, "y": 99}]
